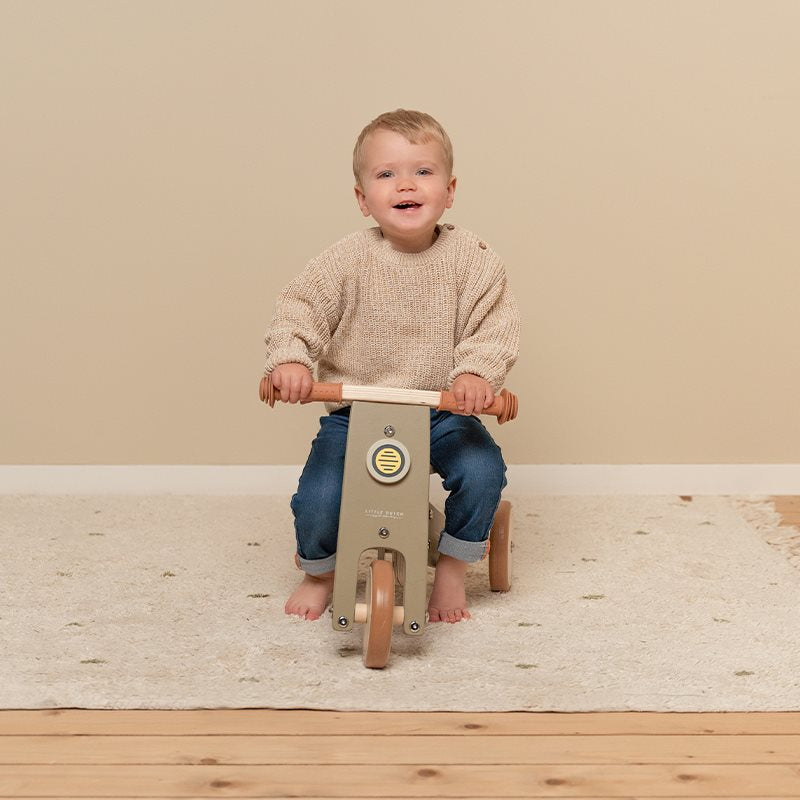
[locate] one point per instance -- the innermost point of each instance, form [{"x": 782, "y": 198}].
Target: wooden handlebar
[{"x": 504, "y": 407}]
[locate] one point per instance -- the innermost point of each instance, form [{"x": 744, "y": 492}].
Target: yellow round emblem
[{"x": 388, "y": 460}]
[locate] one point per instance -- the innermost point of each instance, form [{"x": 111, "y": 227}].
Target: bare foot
[
  {"x": 311, "y": 597},
  {"x": 448, "y": 601}
]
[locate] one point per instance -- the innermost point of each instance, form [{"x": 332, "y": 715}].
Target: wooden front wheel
[
  {"x": 380, "y": 608},
  {"x": 500, "y": 549}
]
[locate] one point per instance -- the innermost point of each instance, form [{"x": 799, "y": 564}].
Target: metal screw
[
  {"x": 343, "y": 622},
  {"x": 389, "y": 430},
  {"x": 414, "y": 626},
  {"x": 383, "y": 533}
]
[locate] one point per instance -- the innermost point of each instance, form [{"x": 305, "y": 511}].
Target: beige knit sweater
[{"x": 367, "y": 314}]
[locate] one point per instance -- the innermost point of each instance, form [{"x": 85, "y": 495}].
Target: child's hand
[
  {"x": 293, "y": 382},
  {"x": 472, "y": 393}
]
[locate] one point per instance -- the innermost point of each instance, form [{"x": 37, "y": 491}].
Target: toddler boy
[{"x": 454, "y": 324}]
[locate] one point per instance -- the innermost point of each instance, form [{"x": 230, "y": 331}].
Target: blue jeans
[{"x": 462, "y": 452}]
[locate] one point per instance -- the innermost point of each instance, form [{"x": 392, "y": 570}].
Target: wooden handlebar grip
[
  {"x": 504, "y": 407},
  {"x": 320, "y": 392},
  {"x": 265, "y": 391},
  {"x": 325, "y": 393}
]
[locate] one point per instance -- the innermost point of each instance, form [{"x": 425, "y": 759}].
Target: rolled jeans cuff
[
  {"x": 461, "y": 549},
  {"x": 317, "y": 566}
]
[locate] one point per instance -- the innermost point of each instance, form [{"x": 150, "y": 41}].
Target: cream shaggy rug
[{"x": 618, "y": 603}]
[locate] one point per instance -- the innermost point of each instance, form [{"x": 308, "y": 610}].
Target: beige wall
[{"x": 166, "y": 167}]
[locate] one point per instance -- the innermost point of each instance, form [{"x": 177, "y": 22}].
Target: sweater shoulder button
[
  {"x": 450, "y": 227},
  {"x": 482, "y": 245}
]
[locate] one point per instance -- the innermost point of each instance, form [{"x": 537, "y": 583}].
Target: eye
[
  {"x": 385, "y": 174},
  {"x": 424, "y": 171}
]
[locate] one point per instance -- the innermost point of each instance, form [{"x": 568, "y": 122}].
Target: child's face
[{"x": 405, "y": 187}]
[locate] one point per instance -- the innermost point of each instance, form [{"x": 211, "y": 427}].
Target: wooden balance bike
[{"x": 385, "y": 507}]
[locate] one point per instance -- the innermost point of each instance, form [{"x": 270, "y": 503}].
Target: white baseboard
[{"x": 682, "y": 479}]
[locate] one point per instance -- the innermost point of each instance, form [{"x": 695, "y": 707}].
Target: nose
[{"x": 406, "y": 183}]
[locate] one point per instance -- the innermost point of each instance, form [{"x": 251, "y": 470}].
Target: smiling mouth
[{"x": 407, "y": 205}]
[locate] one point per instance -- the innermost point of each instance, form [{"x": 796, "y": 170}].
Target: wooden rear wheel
[
  {"x": 500, "y": 549},
  {"x": 380, "y": 608}
]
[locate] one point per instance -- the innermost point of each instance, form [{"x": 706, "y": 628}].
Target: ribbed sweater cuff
[
  {"x": 287, "y": 355},
  {"x": 494, "y": 373}
]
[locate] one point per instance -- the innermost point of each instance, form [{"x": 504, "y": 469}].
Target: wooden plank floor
[{"x": 315, "y": 754}]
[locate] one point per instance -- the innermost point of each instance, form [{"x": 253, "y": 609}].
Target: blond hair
[{"x": 416, "y": 126}]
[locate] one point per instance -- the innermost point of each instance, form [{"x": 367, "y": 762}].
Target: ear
[
  {"x": 451, "y": 190},
  {"x": 361, "y": 199}
]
